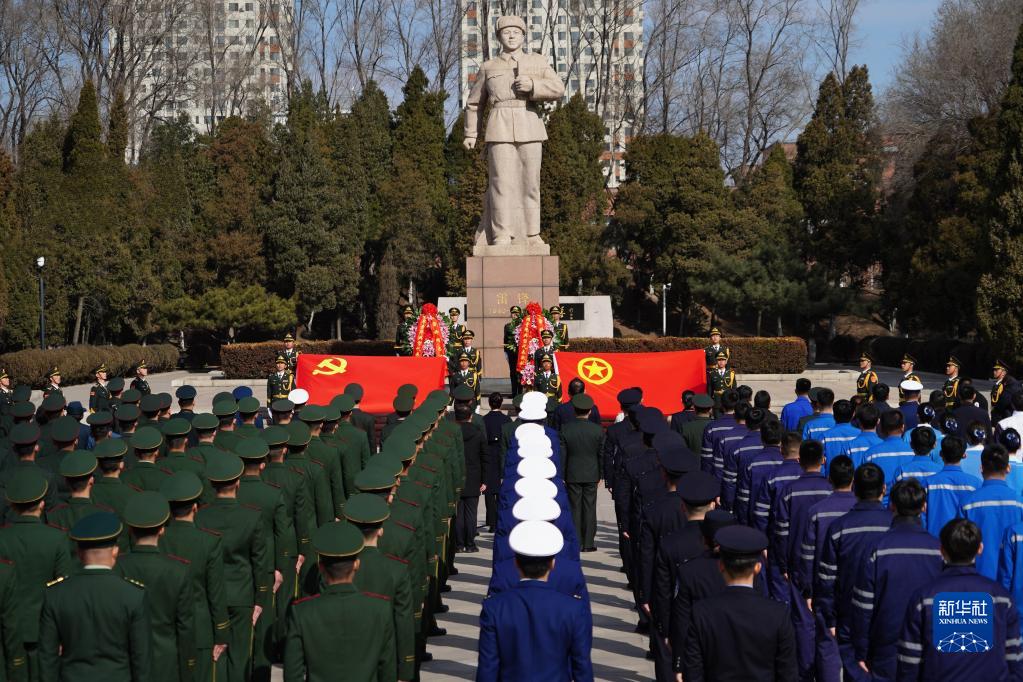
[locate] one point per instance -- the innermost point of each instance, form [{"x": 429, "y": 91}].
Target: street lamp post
[
  {"x": 40, "y": 262},
  {"x": 665, "y": 288}
]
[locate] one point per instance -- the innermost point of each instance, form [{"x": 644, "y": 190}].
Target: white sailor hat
[
  {"x": 536, "y": 509},
  {"x": 537, "y": 467},
  {"x": 911, "y": 385},
  {"x": 534, "y": 398},
  {"x": 299, "y": 396},
  {"x": 530, "y": 431},
  {"x": 536, "y": 539},
  {"x": 529, "y": 449},
  {"x": 533, "y": 412},
  {"x": 536, "y": 487}
]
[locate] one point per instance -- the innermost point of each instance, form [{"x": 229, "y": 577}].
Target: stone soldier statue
[{"x": 511, "y": 84}]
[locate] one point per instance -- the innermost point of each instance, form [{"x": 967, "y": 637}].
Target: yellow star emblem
[{"x": 595, "y": 371}]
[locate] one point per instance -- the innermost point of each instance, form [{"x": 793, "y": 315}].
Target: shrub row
[
  {"x": 77, "y": 363},
  {"x": 932, "y": 354},
  {"x": 256, "y": 360},
  {"x": 750, "y": 355}
]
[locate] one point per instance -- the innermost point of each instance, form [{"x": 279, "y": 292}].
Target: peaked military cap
[
  {"x": 204, "y": 421},
  {"x": 252, "y": 448},
  {"x": 115, "y": 384},
  {"x": 311, "y": 414},
  {"x": 176, "y": 427},
  {"x": 22, "y": 392},
  {"x": 651, "y": 421},
  {"x": 546, "y": 357},
  {"x": 366, "y": 509},
  {"x": 741, "y": 541},
  {"x": 102, "y": 418},
  {"x": 408, "y": 389},
  {"x": 468, "y": 334},
  {"x": 97, "y": 530},
  {"x": 110, "y": 448},
  {"x": 281, "y": 360},
  {"x": 699, "y": 488},
  {"x": 581, "y": 401},
  {"x": 715, "y": 520},
  {"x": 183, "y": 486},
  {"x": 375, "y": 478},
  {"x": 282, "y": 405},
  {"x": 75, "y": 409},
  {"x": 225, "y": 408},
  {"x": 224, "y": 467},
  {"x": 355, "y": 390},
  {"x": 77, "y": 464},
  {"x": 22, "y": 409},
  {"x": 331, "y": 413},
  {"x": 131, "y": 396},
  {"x": 337, "y": 540},
  {"x": 515, "y": 310},
  {"x": 454, "y": 311},
  {"x": 403, "y": 403},
  {"x": 702, "y": 401},
  {"x": 463, "y": 392},
  {"x": 1002, "y": 364},
  {"x": 677, "y": 459},
  {"x": 54, "y": 372},
  {"x": 714, "y": 331},
  {"x": 721, "y": 355},
  {"x": 64, "y": 429},
  {"x": 248, "y": 405},
  {"x": 388, "y": 464},
  {"x": 344, "y": 402},
  {"x": 147, "y": 509},
  {"x": 546, "y": 334},
  {"x": 463, "y": 356},
  {"x": 289, "y": 337},
  {"x": 53, "y": 403},
  {"x": 866, "y": 356},
  {"x": 555, "y": 309},
  {"x": 536, "y": 509},
  {"x": 142, "y": 365},
  {"x": 298, "y": 434},
  {"x": 275, "y": 435},
  {"x": 150, "y": 403},
  {"x": 165, "y": 400},
  {"x": 906, "y": 357},
  {"x": 405, "y": 309},
  {"x": 629, "y": 397},
  {"x": 24, "y": 434},
  {"x": 28, "y": 485},
  {"x": 185, "y": 392},
  {"x": 402, "y": 448},
  {"x": 953, "y": 360},
  {"x": 102, "y": 368},
  {"x": 4, "y": 374},
  {"x": 147, "y": 438}
]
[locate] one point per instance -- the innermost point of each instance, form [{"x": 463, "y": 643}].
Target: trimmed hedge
[
  {"x": 256, "y": 360},
  {"x": 76, "y": 363},
  {"x": 750, "y": 355}
]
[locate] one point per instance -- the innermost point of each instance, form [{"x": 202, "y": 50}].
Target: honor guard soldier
[
  {"x": 401, "y": 342},
  {"x": 313, "y": 650},
  {"x": 465, "y": 375},
  {"x": 6, "y": 393},
  {"x": 951, "y": 387},
  {"x": 99, "y": 395},
  {"x": 721, "y": 378},
  {"x": 53, "y": 379},
  {"x": 468, "y": 347},
  {"x": 94, "y": 624},
  {"x": 140, "y": 383},
  {"x": 280, "y": 382},
  {"x": 170, "y": 603},
  {"x": 511, "y": 348},
  {"x": 561, "y": 340},
  {"x": 547, "y": 380},
  {"x": 715, "y": 348},
  {"x": 740, "y": 614},
  {"x": 908, "y": 374},
  {"x": 548, "y": 348},
  {"x": 867, "y": 379},
  {"x": 1002, "y": 392},
  {"x": 289, "y": 352},
  {"x": 455, "y": 329}
]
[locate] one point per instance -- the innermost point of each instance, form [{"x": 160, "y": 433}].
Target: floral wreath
[
  {"x": 428, "y": 333},
  {"x": 527, "y": 338}
]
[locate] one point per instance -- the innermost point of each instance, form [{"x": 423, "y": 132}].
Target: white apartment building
[
  {"x": 596, "y": 46},
  {"x": 215, "y": 59}
]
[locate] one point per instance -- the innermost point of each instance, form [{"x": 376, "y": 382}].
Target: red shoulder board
[
  {"x": 65, "y": 505},
  {"x": 62, "y": 529},
  {"x": 197, "y": 460},
  {"x": 298, "y": 471},
  {"x": 204, "y": 506},
  {"x": 186, "y": 562},
  {"x": 430, "y": 469},
  {"x": 396, "y": 558},
  {"x": 6, "y": 561},
  {"x": 135, "y": 488},
  {"x": 250, "y": 506},
  {"x": 377, "y": 596},
  {"x": 299, "y": 601},
  {"x": 272, "y": 484},
  {"x": 414, "y": 504},
  {"x": 166, "y": 471},
  {"x": 406, "y": 526},
  {"x": 215, "y": 533},
  {"x": 423, "y": 485},
  {"x": 104, "y": 507}
]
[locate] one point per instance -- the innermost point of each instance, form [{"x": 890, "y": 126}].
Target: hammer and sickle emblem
[
  {"x": 331, "y": 366},
  {"x": 595, "y": 371}
]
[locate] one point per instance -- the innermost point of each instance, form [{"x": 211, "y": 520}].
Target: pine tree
[
  {"x": 117, "y": 129},
  {"x": 83, "y": 145}
]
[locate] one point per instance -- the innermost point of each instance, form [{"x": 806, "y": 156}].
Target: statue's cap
[{"x": 511, "y": 21}]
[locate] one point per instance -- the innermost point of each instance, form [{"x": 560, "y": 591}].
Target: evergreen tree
[
  {"x": 117, "y": 129},
  {"x": 467, "y": 186},
  {"x": 83, "y": 145}
]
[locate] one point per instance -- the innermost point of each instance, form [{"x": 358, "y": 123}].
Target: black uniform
[
  {"x": 1001, "y": 397},
  {"x": 492, "y": 471},
  {"x": 474, "y": 447},
  {"x": 141, "y": 385}
]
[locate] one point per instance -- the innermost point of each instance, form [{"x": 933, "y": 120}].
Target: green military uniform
[
  {"x": 52, "y": 388},
  {"x": 41, "y": 555},
  {"x": 711, "y": 352},
  {"x": 290, "y": 354},
  {"x": 385, "y": 575},
  {"x": 581, "y": 445},
  {"x": 548, "y": 348},
  {"x": 511, "y": 349},
  {"x": 720, "y": 380},
  {"x": 866, "y": 381},
  {"x": 455, "y": 331},
  {"x": 139, "y": 383},
  {"x": 99, "y": 398},
  {"x": 94, "y": 624},
  {"x": 6, "y": 395},
  {"x": 204, "y": 551},
  {"x": 951, "y": 386},
  {"x": 363, "y": 421},
  {"x": 401, "y": 343},
  {"x": 548, "y": 383},
  {"x": 327, "y": 457},
  {"x": 278, "y": 528},
  {"x": 466, "y": 376},
  {"x": 340, "y": 634},
  {"x": 354, "y": 448},
  {"x": 248, "y": 563},
  {"x": 314, "y": 475},
  {"x": 13, "y": 662},
  {"x": 908, "y": 376},
  {"x": 561, "y": 340},
  {"x": 280, "y": 383},
  {"x": 473, "y": 353},
  {"x": 692, "y": 431},
  {"x": 170, "y": 602}
]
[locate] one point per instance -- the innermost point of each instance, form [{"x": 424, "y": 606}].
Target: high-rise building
[
  {"x": 218, "y": 59},
  {"x": 596, "y": 46}
]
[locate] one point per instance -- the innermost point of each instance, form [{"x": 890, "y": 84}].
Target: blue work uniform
[
  {"x": 791, "y": 515},
  {"x": 919, "y": 656},
  {"x": 1010, "y": 564},
  {"x": 794, "y": 411},
  {"x": 904, "y": 559},
  {"x": 857, "y": 448},
  {"x": 971, "y": 461},
  {"x": 945, "y": 491},
  {"x": 816, "y": 427},
  {"x": 835, "y": 440},
  {"x": 889, "y": 454},
  {"x": 935, "y": 453},
  {"x": 920, "y": 468},
  {"x": 994, "y": 507},
  {"x": 751, "y": 442},
  {"x": 533, "y": 632},
  {"x": 751, "y": 477},
  {"x": 769, "y": 490},
  {"x": 714, "y": 431}
]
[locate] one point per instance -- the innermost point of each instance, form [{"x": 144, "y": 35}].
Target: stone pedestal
[{"x": 493, "y": 284}]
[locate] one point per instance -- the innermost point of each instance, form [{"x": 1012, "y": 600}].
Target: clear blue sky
[{"x": 882, "y": 27}]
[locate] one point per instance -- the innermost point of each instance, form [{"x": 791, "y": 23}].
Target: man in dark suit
[
  {"x": 686, "y": 415},
  {"x": 581, "y": 444},
  {"x": 739, "y": 614},
  {"x": 534, "y": 632},
  {"x": 474, "y": 445},
  {"x": 968, "y": 410},
  {"x": 566, "y": 413},
  {"x": 494, "y": 422}
]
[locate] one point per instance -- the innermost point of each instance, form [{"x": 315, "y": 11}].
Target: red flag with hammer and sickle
[
  {"x": 325, "y": 376},
  {"x": 662, "y": 376}
]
